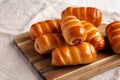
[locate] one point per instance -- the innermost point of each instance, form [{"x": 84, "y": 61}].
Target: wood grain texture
[{"x": 106, "y": 60}]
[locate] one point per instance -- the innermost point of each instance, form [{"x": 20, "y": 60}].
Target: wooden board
[{"x": 106, "y": 60}]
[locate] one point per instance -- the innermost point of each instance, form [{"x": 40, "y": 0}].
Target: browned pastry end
[
  {"x": 94, "y": 36},
  {"x": 72, "y": 30},
  {"x": 45, "y": 27},
  {"x": 82, "y": 53},
  {"x": 113, "y": 35},
  {"x": 44, "y": 44},
  {"x": 90, "y": 14}
]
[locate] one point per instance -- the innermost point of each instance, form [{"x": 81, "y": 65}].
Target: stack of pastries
[{"x": 74, "y": 39}]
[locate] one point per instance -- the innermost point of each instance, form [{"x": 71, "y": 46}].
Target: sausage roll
[
  {"x": 72, "y": 30},
  {"x": 45, "y": 27},
  {"x": 113, "y": 35},
  {"x": 94, "y": 36},
  {"x": 46, "y": 43},
  {"x": 82, "y": 53},
  {"x": 90, "y": 14}
]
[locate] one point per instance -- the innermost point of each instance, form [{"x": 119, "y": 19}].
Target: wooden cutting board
[{"x": 106, "y": 60}]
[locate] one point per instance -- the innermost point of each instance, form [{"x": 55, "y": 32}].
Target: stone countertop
[{"x": 16, "y": 16}]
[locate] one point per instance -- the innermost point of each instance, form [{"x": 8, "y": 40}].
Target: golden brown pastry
[
  {"x": 45, "y": 27},
  {"x": 113, "y": 35},
  {"x": 82, "y": 53},
  {"x": 46, "y": 43},
  {"x": 90, "y": 14},
  {"x": 72, "y": 30},
  {"x": 93, "y": 35}
]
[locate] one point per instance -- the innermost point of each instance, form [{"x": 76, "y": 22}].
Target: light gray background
[{"x": 16, "y": 16}]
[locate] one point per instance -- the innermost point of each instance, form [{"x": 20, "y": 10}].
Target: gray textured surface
[{"x": 16, "y": 16}]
